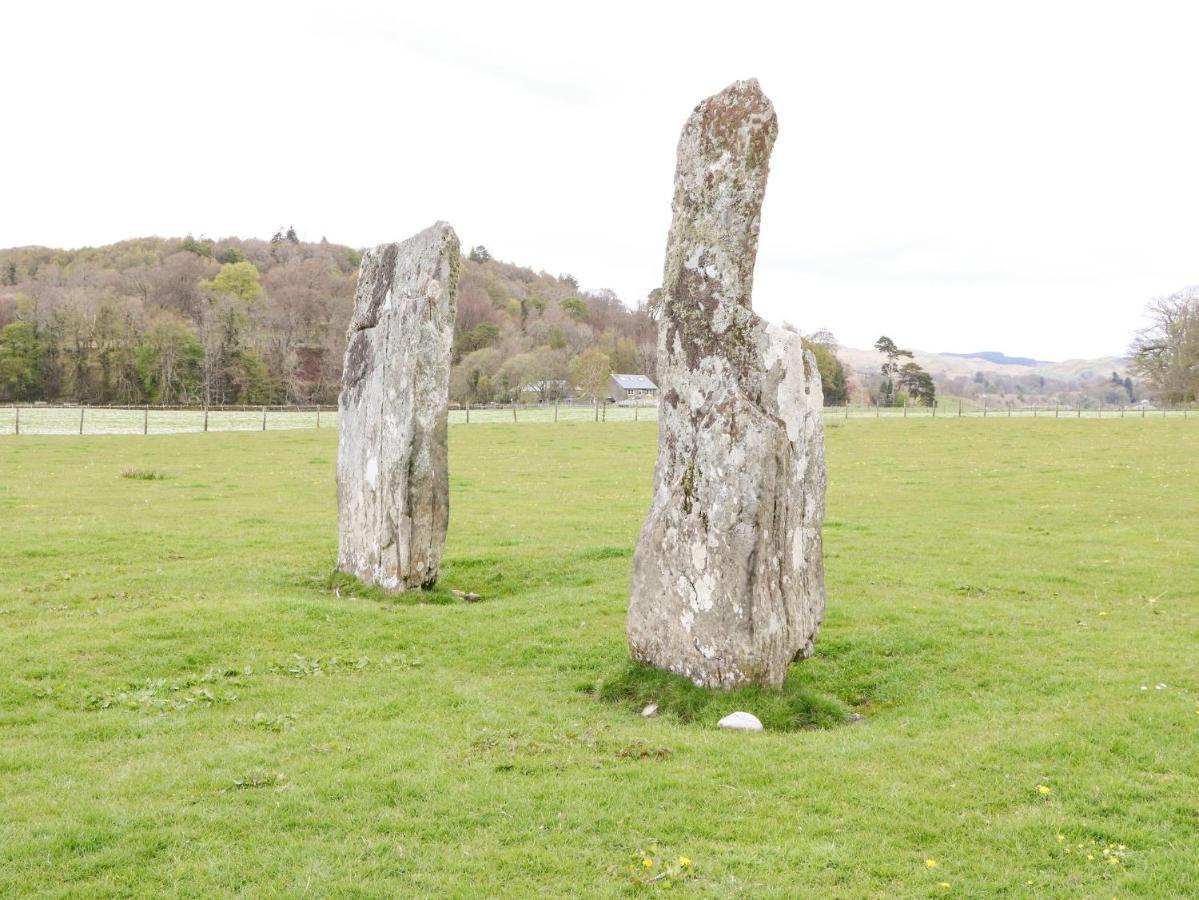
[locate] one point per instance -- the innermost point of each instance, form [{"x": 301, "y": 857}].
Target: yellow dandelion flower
[
  {"x": 1061, "y": 837},
  {"x": 684, "y": 861},
  {"x": 944, "y": 884},
  {"x": 1114, "y": 860},
  {"x": 1090, "y": 856},
  {"x": 931, "y": 863},
  {"x": 648, "y": 863},
  {"x": 1045, "y": 789}
]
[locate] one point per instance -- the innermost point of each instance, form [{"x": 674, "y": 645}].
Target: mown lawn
[{"x": 186, "y": 710}]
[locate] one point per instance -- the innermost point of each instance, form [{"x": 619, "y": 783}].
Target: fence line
[
  {"x": 957, "y": 410},
  {"x": 45, "y": 419},
  {"x": 42, "y": 419}
]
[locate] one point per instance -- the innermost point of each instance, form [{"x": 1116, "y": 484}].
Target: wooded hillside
[{"x": 184, "y": 320}]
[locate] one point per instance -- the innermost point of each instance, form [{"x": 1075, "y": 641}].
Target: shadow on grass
[{"x": 791, "y": 708}]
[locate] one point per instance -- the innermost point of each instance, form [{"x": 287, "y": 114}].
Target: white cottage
[{"x": 631, "y": 387}]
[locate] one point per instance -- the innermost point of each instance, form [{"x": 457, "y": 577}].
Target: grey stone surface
[
  {"x": 392, "y": 479},
  {"x": 741, "y": 721},
  {"x": 728, "y": 574}
]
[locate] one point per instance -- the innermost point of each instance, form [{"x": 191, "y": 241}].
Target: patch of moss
[{"x": 143, "y": 474}]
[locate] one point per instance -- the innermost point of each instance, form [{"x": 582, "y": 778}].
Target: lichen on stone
[
  {"x": 728, "y": 584},
  {"x": 392, "y": 468}
]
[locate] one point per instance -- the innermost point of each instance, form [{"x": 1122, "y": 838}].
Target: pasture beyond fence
[{"x": 43, "y": 419}]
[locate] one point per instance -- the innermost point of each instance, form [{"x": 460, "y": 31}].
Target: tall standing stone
[
  {"x": 393, "y": 502},
  {"x": 728, "y": 575}
]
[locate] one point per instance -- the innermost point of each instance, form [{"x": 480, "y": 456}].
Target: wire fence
[
  {"x": 962, "y": 409},
  {"x": 81, "y": 420},
  {"x": 45, "y": 419}
]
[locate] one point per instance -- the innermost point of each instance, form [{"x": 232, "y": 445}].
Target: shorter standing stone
[{"x": 393, "y": 500}]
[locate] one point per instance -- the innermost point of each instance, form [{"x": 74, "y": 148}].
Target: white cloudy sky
[{"x": 959, "y": 175}]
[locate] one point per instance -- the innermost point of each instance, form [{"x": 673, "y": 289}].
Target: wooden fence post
[
  {"x": 984, "y": 407},
  {"x": 206, "y": 419},
  {"x": 513, "y": 410},
  {"x": 146, "y": 420},
  {"x": 82, "y": 409},
  {"x": 636, "y": 407},
  {"x": 318, "y": 415},
  {"x": 468, "y": 414},
  {"x": 959, "y": 409},
  {"x": 264, "y": 418},
  {"x": 18, "y": 420},
  {"x": 555, "y": 409}
]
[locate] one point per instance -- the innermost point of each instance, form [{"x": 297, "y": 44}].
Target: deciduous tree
[
  {"x": 590, "y": 371},
  {"x": 22, "y": 353},
  {"x": 1165, "y": 353}
]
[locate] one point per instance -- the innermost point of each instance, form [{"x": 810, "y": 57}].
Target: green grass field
[{"x": 187, "y": 710}]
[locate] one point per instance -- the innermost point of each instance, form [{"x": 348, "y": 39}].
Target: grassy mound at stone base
[{"x": 791, "y": 708}]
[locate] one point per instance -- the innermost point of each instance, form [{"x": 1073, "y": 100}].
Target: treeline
[
  {"x": 530, "y": 335},
  {"x": 175, "y": 321},
  {"x": 193, "y": 320},
  {"x": 1089, "y": 389}
]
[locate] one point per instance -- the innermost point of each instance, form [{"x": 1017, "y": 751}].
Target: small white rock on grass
[{"x": 740, "y": 721}]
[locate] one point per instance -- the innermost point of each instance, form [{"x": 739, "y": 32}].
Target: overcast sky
[{"x": 961, "y": 176}]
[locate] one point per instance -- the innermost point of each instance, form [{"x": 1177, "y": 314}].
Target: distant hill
[
  {"x": 952, "y": 364},
  {"x": 999, "y": 376},
  {"x": 1001, "y": 358}
]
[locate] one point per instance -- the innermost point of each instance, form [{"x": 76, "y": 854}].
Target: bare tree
[
  {"x": 590, "y": 371},
  {"x": 1166, "y": 352}
]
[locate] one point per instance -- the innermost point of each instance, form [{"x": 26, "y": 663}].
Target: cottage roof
[{"x": 635, "y": 382}]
